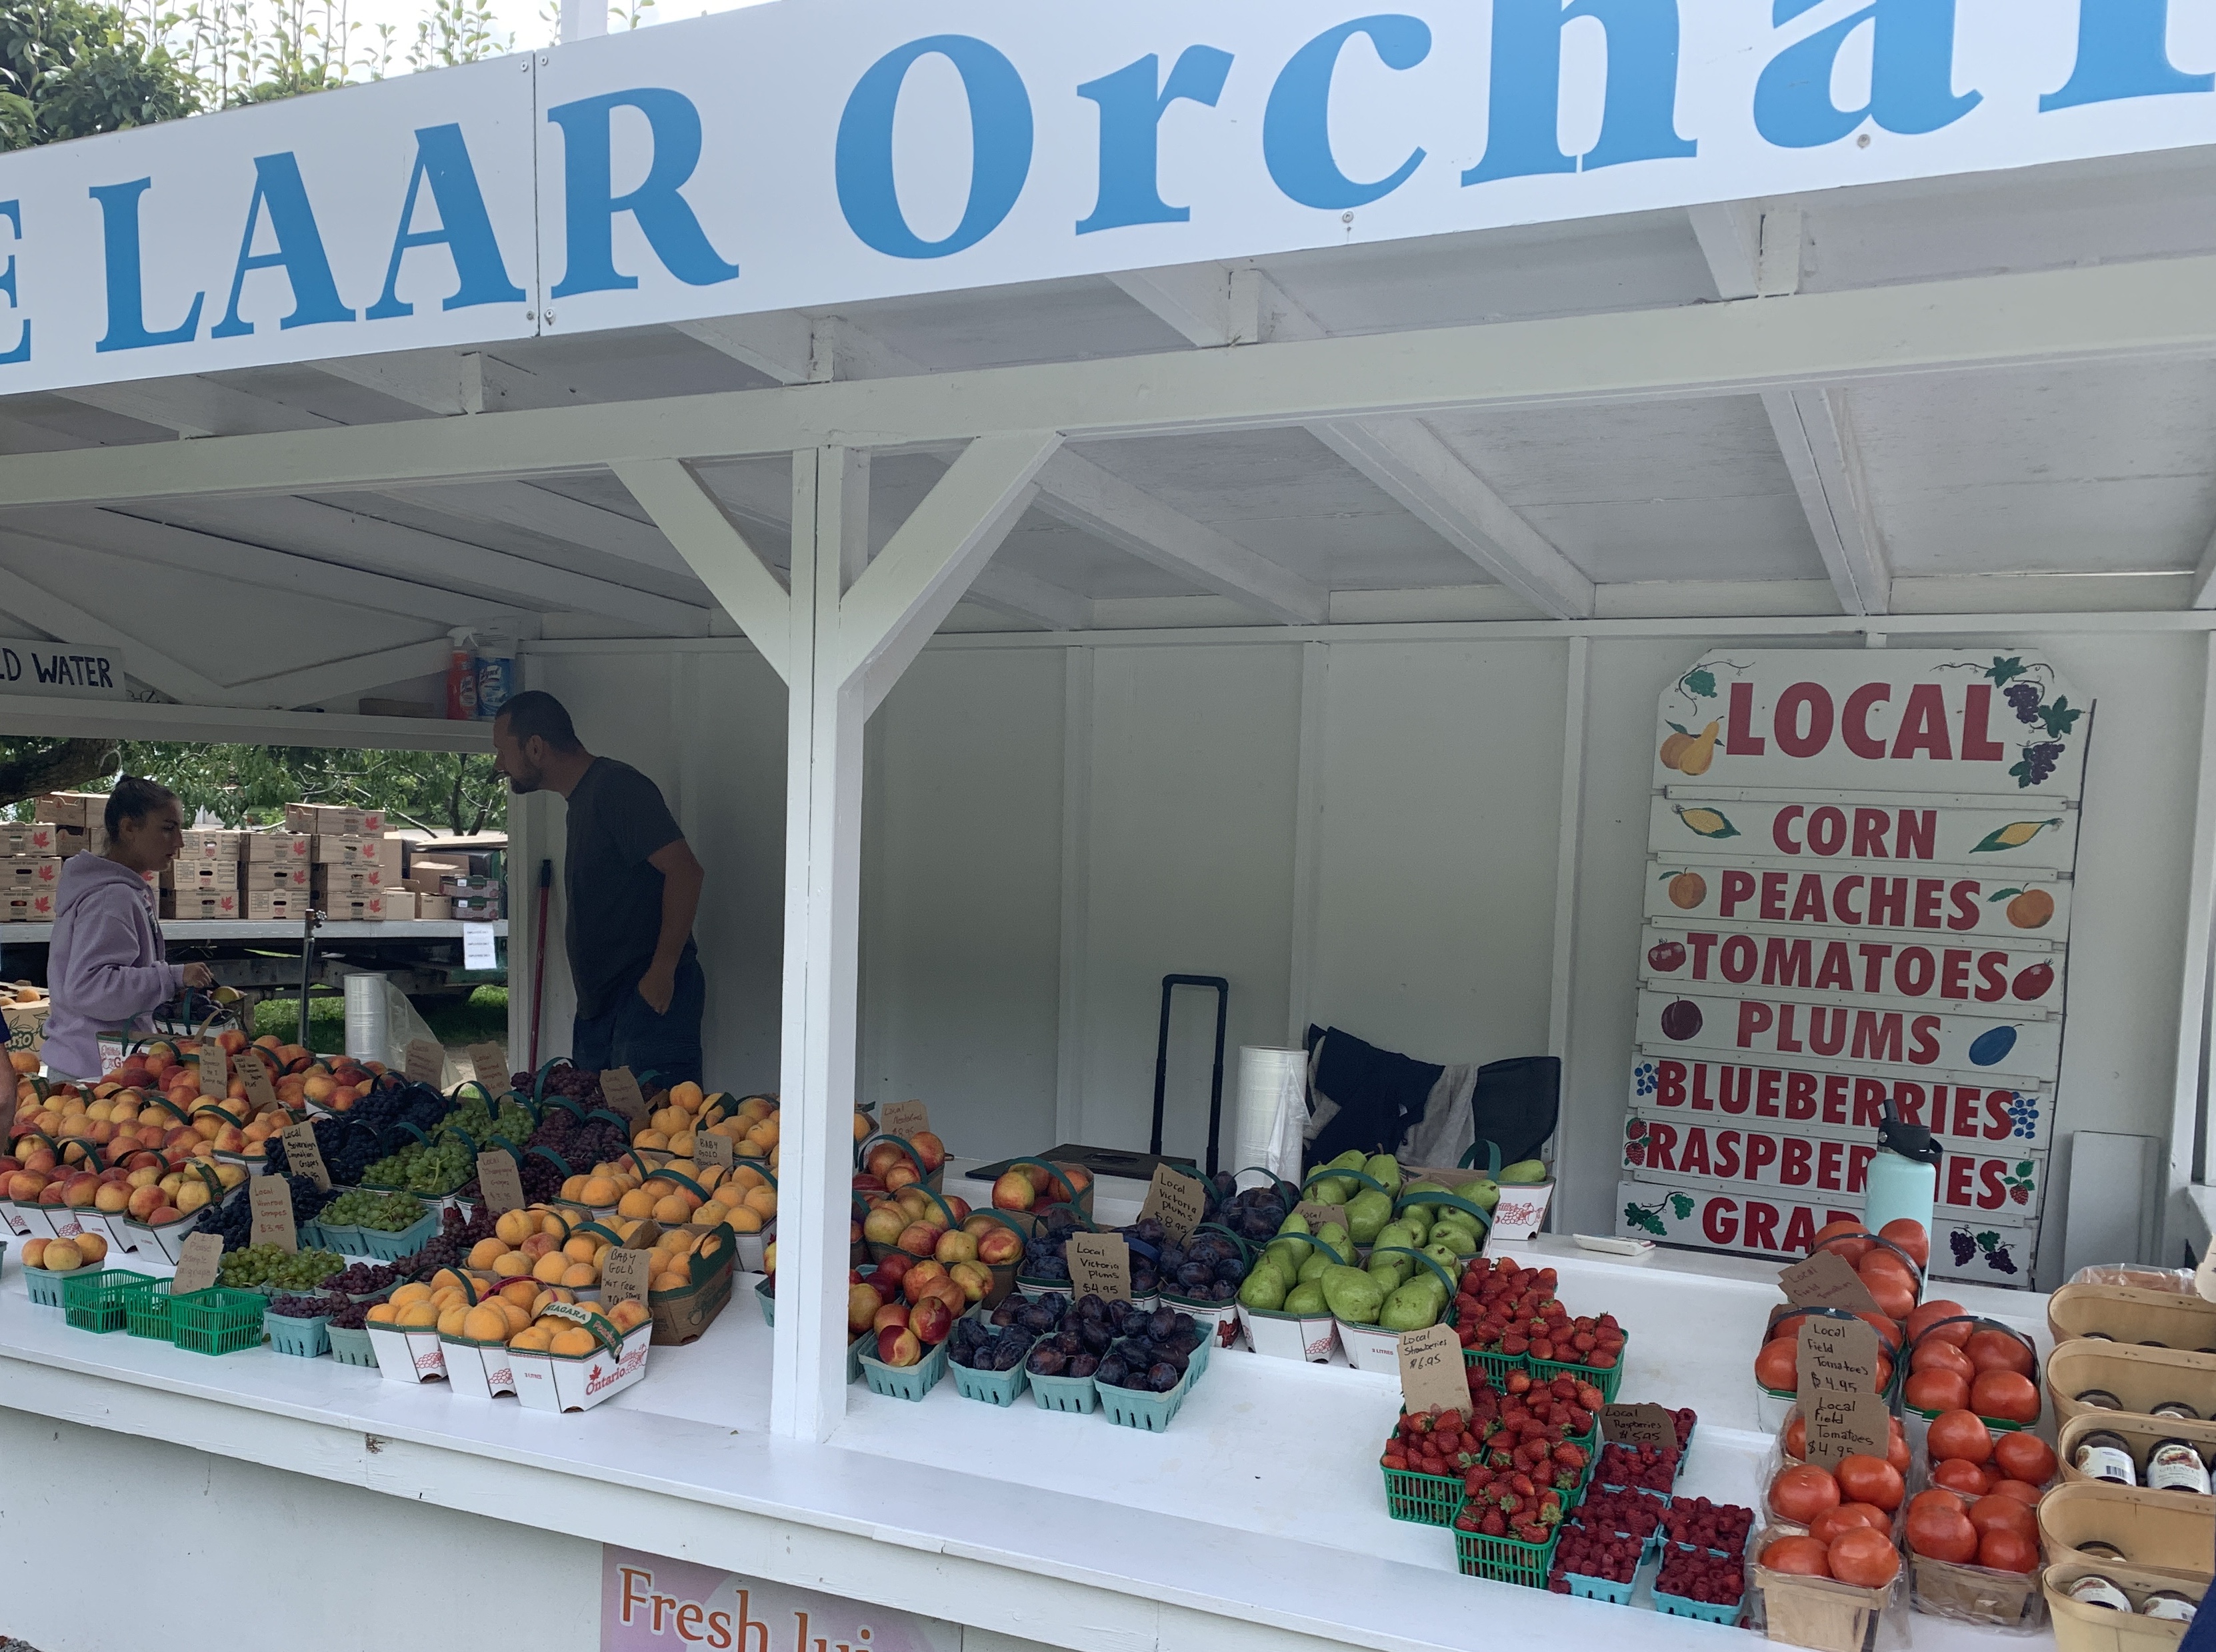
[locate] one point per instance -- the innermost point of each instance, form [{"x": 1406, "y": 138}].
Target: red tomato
[
  {"x": 2006, "y": 1550},
  {"x": 1931, "y": 1313},
  {"x": 1998, "y": 1351},
  {"x": 1909, "y": 1234},
  {"x": 1888, "y": 1331},
  {"x": 1932, "y": 1355},
  {"x": 1802, "y": 1492},
  {"x": 1845, "y": 1518},
  {"x": 1884, "y": 1373},
  {"x": 1870, "y": 1480},
  {"x": 1942, "y": 1532},
  {"x": 1937, "y": 1391},
  {"x": 1896, "y": 1453},
  {"x": 1777, "y": 1367},
  {"x": 2005, "y": 1396},
  {"x": 1796, "y": 1437},
  {"x": 1866, "y": 1559},
  {"x": 1956, "y": 1476},
  {"x": 1893, "y": 1291},
  {"x": 1992, "y": 1510},
  {"x": 1801, "y": 1556},
  {"x": 1960, "y": 1435},
  {"x": 2022, "y": 1490},
  {"x": 2025, "y": 1457}
]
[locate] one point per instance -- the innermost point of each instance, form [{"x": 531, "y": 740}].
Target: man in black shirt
[{"x": 631, "y": 887}]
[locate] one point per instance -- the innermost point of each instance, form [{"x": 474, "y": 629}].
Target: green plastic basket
[
  {"x": 1608, "y": 1382},
  {"x": 1425, "y": 1499},
  {"x": 308, "y": 1339},
  {"x": 1504, "y": 1560},
  {"x": 905, "y": 1382},
  {"x": 216, "y": 1321},
  {"x": 1499, "y": 1367},
  {"x": 1599, "y": 1588},
  {"x": 992, "y": 1387},
  {"x": 1075, "y": 1395},
  {"x": 391, "y": 1247},
  {"x": 1127, "y": 1408},
  {"x": 146, "y": 1313},
  {"x": 351, "y": 1347},
  {"x": 45, "y": 1288},
  {"x": 1676, "y": 1606},
  {"x": 96, "y": 1302}
]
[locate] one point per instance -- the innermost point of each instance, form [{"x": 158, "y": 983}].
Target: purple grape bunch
[
  {"x": 2039, "y": 762},
  {"x": 2023, "y": 700}
]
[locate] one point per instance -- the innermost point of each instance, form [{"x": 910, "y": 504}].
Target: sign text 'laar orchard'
[
  {"x": 806, "y": 154},
  {"x": 1858, "y": 898}
]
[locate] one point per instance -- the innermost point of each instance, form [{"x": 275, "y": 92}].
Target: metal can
[
  {"x": 2094, "y": 1590},
  {"x": 2099, "y": 1399},
  {"x": 2168, "y": 1605},
  {"x": 2177, "y": 1411},
  {"x": 2106, "y": 1456},
  {"x": 2175, "y": 1465}
]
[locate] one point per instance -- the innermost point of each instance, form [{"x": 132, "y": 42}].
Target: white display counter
[{"x": 1258, "y": 1516}]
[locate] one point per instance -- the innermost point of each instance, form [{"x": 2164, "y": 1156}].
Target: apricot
[
  {"x": 487, "y": 1252},
  {"x": 574, "y": 1341},
  {"x": 485, "y": 1324},
  {"x": 551, "y": 1268},
  {"x": 63, "y": 1256},
  {"x": 601, "y": 1190},
  {"x": 383, "y": 1314},
  {"x": 451, "y": 1320},
  {"x": 418, "y": 1315},
  {"x": 414, "y": 1291},
  {"x": 533, "y": 1339}
]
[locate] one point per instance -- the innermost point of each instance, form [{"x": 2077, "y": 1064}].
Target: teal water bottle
[{"x": 1903, "y": 1179}]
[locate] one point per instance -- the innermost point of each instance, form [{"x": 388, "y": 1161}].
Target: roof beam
[
  {"x": 329, "y": 530},
  {"x": 2204, "y": 577},
  {"x": 555, "y": 516},
  {"x": 1406, "y": 458},
  {"x": 2161, "y": 309},
  {"x": 779, "y": 343},
  {"x": 1753, "y": 248},
  {"x": 1193, "y": 298},
  {"x": 1819, "y": 452},
  {"x": 734, "y": 573},
  {"x": 1024, "y": 597},
  {"x": 194, "y": 407},
  {"x": 65, "y": 621},
  {"x": 891, "y": 611},
  {"x": 1103, "y": 505},
  {"x": 166, "y": 544},
  {"x": 311, "y": 685}
]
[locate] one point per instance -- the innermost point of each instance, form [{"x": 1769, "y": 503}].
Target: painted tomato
[{"x": 1666, "y": 957}]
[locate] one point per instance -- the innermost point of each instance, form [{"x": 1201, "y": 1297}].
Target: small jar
[
  {"x": 2169, "y": 1606},
  {"x": 2175, "y": 1465},
  {"x": 2094, "y": 1590},
  {"x": 2098, "y": 1336},
  {"x": 2175, "y": 1411},
  {"x": 2104, "y": 1456},
  {"x": 2099, "y": 1399},
  {"x": 2100, "y": 1551}
]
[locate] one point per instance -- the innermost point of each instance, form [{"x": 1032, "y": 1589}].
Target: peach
[
  {"x": 954, "y": 1246},
  {"x": 111, "y": 1198},
  {"x": 1014, "y": 1192},
  {"x": 975, "y": 1279},
  {"x": 892, "y": 1313},
  {"x": 34, "y": 1251},
  {"x": 863, "y": 1302},
  {"x": 921, "y": 1238},
  {"x": 932, "y": 1321},
  {"x": 999, "y": 1247},
  {"x": 898, "y": 1345},
  {"x": 92, "y": 1248},
  {"x": 145, "y": 1200}
]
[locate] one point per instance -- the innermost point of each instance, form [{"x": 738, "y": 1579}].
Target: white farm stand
[{"x": 1282, "y": 592}]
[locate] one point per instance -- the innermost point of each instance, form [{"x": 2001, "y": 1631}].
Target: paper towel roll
[{"x": 1272, "y": 1106}]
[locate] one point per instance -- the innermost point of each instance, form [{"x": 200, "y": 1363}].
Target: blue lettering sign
[
  {"x": 661, "y": 212},
  {"x": 126, "y": 302},
  {"x": 13, "y": 212},
  {"x": 1130, "y": 127},
  {"x": 2123, "y": 51},
  {"x": 1638, "y": 113},
  {"x": 1000, "y": 147},
  {"x": 1911, "y": 75},
  {"x": 299, "y": 251},
  {"x": 465, "y": 229},
  {"x": 1296, "y": 124}
]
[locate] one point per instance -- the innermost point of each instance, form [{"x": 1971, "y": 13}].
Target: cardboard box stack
[
  {"x": 455, "y": 883},
  {"x": 32, "y": 853}
]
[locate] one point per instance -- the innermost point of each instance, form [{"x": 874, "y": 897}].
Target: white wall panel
[
  {"x": 1439, "y": 799},
  {"x": 1190, "y": 858},
  {"x": 961, "y": 896}
]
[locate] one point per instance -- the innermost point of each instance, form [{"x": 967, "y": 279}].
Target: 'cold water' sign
[
  {"x": 76, "y": 670},
  {"x": 807, "y": 154},
  {"x": 1858, "y": 894}
]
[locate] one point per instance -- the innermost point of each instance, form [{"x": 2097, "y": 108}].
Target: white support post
[
  {"x": 731, "y": 568},
  {"x": 848, "y": 645},
  {"x": 2193, "y": 1010},
  {"x": 1569, "y": 847}
]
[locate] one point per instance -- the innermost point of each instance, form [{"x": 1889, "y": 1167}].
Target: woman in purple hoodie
[{"x": 108, "y": 968}]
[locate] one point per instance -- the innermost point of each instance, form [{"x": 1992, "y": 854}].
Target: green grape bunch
[
  {"x": 365, "y": 1208},
  {"x": 255, "y": 1266}
]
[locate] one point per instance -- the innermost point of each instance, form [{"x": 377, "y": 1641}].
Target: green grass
[{"x": 455, "y": 1022}]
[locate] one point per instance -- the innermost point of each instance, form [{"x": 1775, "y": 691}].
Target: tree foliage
[
  {"x": 243, "y": 786},
  {"x": 69, "y": 70}
]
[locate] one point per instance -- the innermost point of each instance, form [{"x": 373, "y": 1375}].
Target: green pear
[
  {"x": 1480, "y": 1192},
  {"x": 1307, "y": 1300},
  {"x": 1390, "y": 1271},
  {"x": 1265, "y": 1289},
  {"x": 1418, "y": 1219},
  {"x": 1395, "y": 1232},
  {"x": 1385, "y": 1170},
  {"x": 1367, "y": 1213},
  {"x": 1410, "y": 1308},
  {"x": 1352, "y": 1295},
  {"x": 1338, "y": 1239},
  {"x": 1445, "y": 1255},
  {"x": 1524, "y": 1173},
  {"x": 1294, "y": 1222}
]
